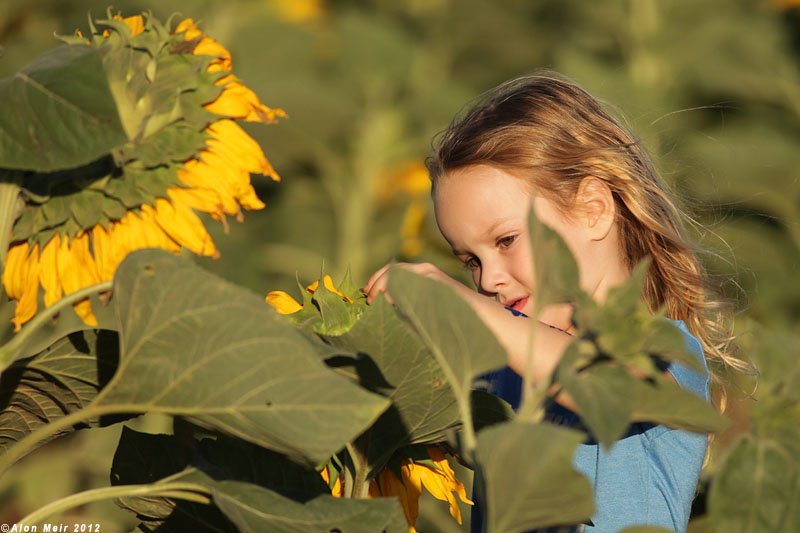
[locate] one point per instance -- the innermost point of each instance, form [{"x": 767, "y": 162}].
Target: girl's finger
[{"x": 374, "y": 277}]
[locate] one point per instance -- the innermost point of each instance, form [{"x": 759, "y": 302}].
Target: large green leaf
[
  {"x": 458, "y": 339},
  {"x": 554, "y": 268},
  {"x": 766, "y": 476},
  {"x": 255, "y": 509},
  {"x": 529, "y": 481},
  {"x": 65, "y": 322},
  {"x": 197, "y": 346},
  {"x": 60, "y": 112},
  {"x": 256, "y": 489},
  {"x": 603, "y": 394},
  {"x": 62, "y": 379},
  {"x": 423, "y": 405},
  {"x": 147, "y": 458}
]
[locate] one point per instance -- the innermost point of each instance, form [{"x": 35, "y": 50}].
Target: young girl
[{"x": 545, "y": 142}]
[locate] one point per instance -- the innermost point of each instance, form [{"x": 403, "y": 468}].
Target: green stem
[
  {"x": 361, "y": 467},
  {"x": 12, "y": 348},
  {"x": 183, "y": 491},
  {"x": 11, "y": 206},
  {"x": 532, "y": 394},
  {"x": 21, "y": 447},
  {"x": 468, "y": 429}
]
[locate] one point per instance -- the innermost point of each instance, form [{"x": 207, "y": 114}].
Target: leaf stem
[
  {"x": 21, "y": 447},
  {"x": 183, "y": 491},
  {"x": 532, "y": 394},
  {"x": 10, "y": 351},
  {"x": 10, "y": 206}
]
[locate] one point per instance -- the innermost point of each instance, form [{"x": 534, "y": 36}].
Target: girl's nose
[{"x": 492, "y": 277}]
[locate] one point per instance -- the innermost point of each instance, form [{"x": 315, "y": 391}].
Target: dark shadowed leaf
[
  {"x": 423, "y": 405},
  {"x": 64, "y": 114},
  {"x": 197, "y": 346},
  {"x": 523, "y": 463},
  {"x": 62, "y": 379},
  {"x": 147, "y": 458},
  {"x": 255, "y": 509},
  {"x": 488, "y": 410},
  {"x": 461, "y": 343}
]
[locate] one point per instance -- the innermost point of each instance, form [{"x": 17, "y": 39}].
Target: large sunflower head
[{"x": 179, "y": 106}]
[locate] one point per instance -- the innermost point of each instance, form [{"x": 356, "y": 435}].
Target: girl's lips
[{"x": 519, "y": 304}]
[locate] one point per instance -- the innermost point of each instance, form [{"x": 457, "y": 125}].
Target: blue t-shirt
[{"x": 648, "y": 477}]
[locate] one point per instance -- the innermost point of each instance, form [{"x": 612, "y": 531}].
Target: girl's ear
[{"x": 595, "y": 203}]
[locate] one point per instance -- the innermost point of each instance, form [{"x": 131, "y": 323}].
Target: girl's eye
[
  {"x": 505, "y": 242},
  {"x": 472, "y": 263}
]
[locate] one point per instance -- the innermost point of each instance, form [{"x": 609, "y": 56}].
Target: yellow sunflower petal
[
  {"x": 237, "y": 179},
  {"x": 283, "y": 303},
  {"x": 189, "y": 29},
  {"x": 200, "y": 198},
  {"x": 76, "y": 270},
  {"x": 328, "y": 282},
  {"x": 181, "y": 224},
  {"x": 105, "y": 252},
  {"x": 135, "y": 23},
  {"x": 48, "y": 271},
  {"x": 21, "y": 280},
  {"x": 198, "y": 174},
  {"x": 231, "y": 140},
  {"x": 211, "y": 47},
  {"x": 388, "y": 485},
  {"x": 238, "y": 101},
  {"x": 337, "y": 490}
]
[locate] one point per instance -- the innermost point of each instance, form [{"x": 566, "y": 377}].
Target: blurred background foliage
[{"x": 712, "y": 88}]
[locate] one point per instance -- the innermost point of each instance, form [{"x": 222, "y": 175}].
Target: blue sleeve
[{"x": 686, "y": 377}]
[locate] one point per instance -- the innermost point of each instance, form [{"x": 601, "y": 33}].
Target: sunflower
[
  {"x": 411, "y": 182},
  {"x": 437, "y": 477},
  {"x": 189, "y": 155},
  {"x": 286, "y": 305}
]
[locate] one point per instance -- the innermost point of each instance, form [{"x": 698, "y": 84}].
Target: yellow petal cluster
[
  {"x": 338, "y": 488},
  {"x": 440, "y": 481},
  {"x": 410, "y": 180},
  {"x": 286, "y": 305},
  {"x": 297, "y": 10},
  {"x": 216, "y": 181}
]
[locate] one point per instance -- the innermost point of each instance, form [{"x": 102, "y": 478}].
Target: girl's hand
[{"x": 377, "y": 283}]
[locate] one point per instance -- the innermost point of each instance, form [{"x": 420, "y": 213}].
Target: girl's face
[{"x": 483, "y": 213}]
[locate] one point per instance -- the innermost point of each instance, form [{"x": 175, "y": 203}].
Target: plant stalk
[
  {"x": 10, "y": 351},
  {"x": 184, "y": 491},
  {"x": 11, "y": 205},
  {"x": 21, "y": 447}
]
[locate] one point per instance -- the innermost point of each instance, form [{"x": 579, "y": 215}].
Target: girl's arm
[{"x": 513, "y": 332}]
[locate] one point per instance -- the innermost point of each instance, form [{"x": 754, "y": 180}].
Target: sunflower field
[{"x": 193, "y": 193}]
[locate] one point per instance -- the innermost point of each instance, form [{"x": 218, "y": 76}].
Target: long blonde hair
[{"x": 553, "y": 134}]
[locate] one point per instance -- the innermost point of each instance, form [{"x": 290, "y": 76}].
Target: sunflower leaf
[
  {"x": 545, "y": 451},
  {"x": 401, "y": 367},
  {"x": 60, "y": 380},
  {"x": 457, "y": 338},
  {"x": 255, "y": 509},
  {"x": 197, "y": 346},
  {"x": 64, "y": 113},
  {"x": 242, "y": 478}
]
